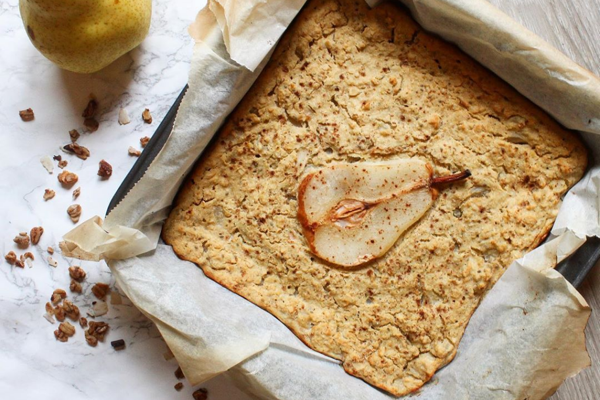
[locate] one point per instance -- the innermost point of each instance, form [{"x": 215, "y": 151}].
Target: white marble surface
[{"x": 33, "y": 365}]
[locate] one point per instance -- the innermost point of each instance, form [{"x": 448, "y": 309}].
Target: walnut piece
[
  {"x": 76, "y": 193},
  {"x": 49, "y": 194},
  {"x": 200, "y": 394},
  {"x": 91, "y": 108},
  {"x": 36, "y": 234},
  {"x": 75, "y": 286},
  {"x": 50, "y": 250},
  {"x": 134, "y": 152},
  {"x": 29, "y": 255},
  {"x": 71, "y": 310},
  {"x": 97, "y": 330},
  {"x": 91, "y": 340},
  {"x": 52, "y": 262},
  {"x": 59, "y": 313},
  {"x": 60, "y": 336},
  {"x": 83, "y": 322},
  {"x": 91, "y": 124},
  {"x": 67, "y": 178},
  {"x": 20, "y": 262},
  {"x": 63, "y": 163},
  {"x": 100, "y": 290},
  {"x": 58, "y": 295},
  {"x": 179, "y": 373},
  {"x": 74, "y": 212},
  {"x": 11, "y": 257},
  {"x": 74, "y": 135},
  {"x": 105, "y": 169},
  {"x": 144, "y": 141},
  {"x": 22, "y": 240},
  {"x": 27, "y": 115},
  {"x": 67, "y": 328},
  {"x": 77, "y": 273},
  {"x": 79, "y": 151},
  {"x": 49, "y": 308},
  {"x": 146, "y": 116},
  {"x": 178, "y": 386}
]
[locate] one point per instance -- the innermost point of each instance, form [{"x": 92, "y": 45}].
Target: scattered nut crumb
[
  {"x": 118, "y": 344},
  {"x": 20, "y": 262},
  {"x": 74, "y": 212},
  {"x": 75, "y": 286},
  {"x": 58, "y": 295},
  {"x": 29, "y": 255},
  {"x": 71, "y": 310},
  {"x": 77, "y": 273},
  {"x": 27, "y": 115},
  {"x": 52, "y": 262},
  {"x": 79, "y": 151},
  {"x": 50, "y": 250},
  {"x": 76, "y": 193},
  {"x": 97, "y": 330},
  {"x": 146, "y": 116},
  {"x": 83, "y": 322},
  {"x": 74, "y": 135},
  {"x": 62, "y": 164},
  {"x": 100, "y": 290},
  {"x": 91, "y": 124},
  {"x": 105, "y": 169},
  {"x": 179, "y": 373},
  {"x": 49, "y": 194},
  {"x": 11, "y": 257},
  {"x": 91, "y": 108},
  {"x": 200, "y": 394},
  {"x": 57, "y": 157},
  {"x": 178, "y": 386},
  {"x": 134, "y": 152},
  {"x": 67, "y": 178},
  {"x": 123, "y": 117},
  {"x": 47, "y": 163},
  {"x": 36, "y": 234},
  {"x": 144, "y": 141},
  {"x": 22, "y": 240}
]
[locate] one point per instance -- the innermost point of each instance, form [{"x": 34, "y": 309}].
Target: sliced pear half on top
[{"x": 354, "y": 213}]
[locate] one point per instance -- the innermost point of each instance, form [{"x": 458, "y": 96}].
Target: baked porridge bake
[{"x": 349, "y": 86}]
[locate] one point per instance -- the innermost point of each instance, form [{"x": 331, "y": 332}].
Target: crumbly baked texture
[{"x": 348, "y": 84}]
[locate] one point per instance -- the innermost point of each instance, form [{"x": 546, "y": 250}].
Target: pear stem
[{"x": 451, "y": 178}]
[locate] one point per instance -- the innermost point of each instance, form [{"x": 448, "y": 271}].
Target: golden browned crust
[{"x": 348, "y": 84}]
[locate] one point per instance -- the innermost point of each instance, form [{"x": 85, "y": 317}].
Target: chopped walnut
[
  {"x": 67, "y": 178},
  {"x": 144, "y": 141},
  {"x": 91, "y": 340},
  {"x": 62, "y": 164},
  {"x": 71, "y": 310},
  {"x": 74, "y": 135},
  {"x": 60, "y": 336},
  {"x": 200, "y": 394},
  {"x": 11, "y": 257},
  {"x": 59, "y": 313},
  {"x": 75, "y": 286},
  {"x": 22, "y": 240},
  {"x": 74, "y": 212},
  {"x": 29, "y": 255},
  {"x": 100, "y": 290},
  {"x": 83, "y": 322},
  {"x": 50, "y": 250},
  {"x": 134, "y": 152},
  {"x": 20, "y": 262},
  {"x": 97, "y": 330},
  {"x": 91, "y": 124},
  {"x": 67, "y": 328},
  {"x": 49, "y": 308},
  {"x": 76, "y": 193},
  {"x": 146, "y": 116},
  {"x": 178, "y": 386},
  {"x": 27, "y": 115},
  {"x": 179, "y": 373},
  {"x": 36, "y": 234},
  {"x": 57, "y": 157},
  {"x": 58, "y": 295},
  {"x": 105, "y": 169},
  {"x": 91, "y": 108},
  {"x": 77, "y": 273},
  {"x": 49, "y": 194},
  {"x": 79, "y": 151}
]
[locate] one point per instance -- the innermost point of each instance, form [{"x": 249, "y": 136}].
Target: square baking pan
[{"x": 574, "y": 268}]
